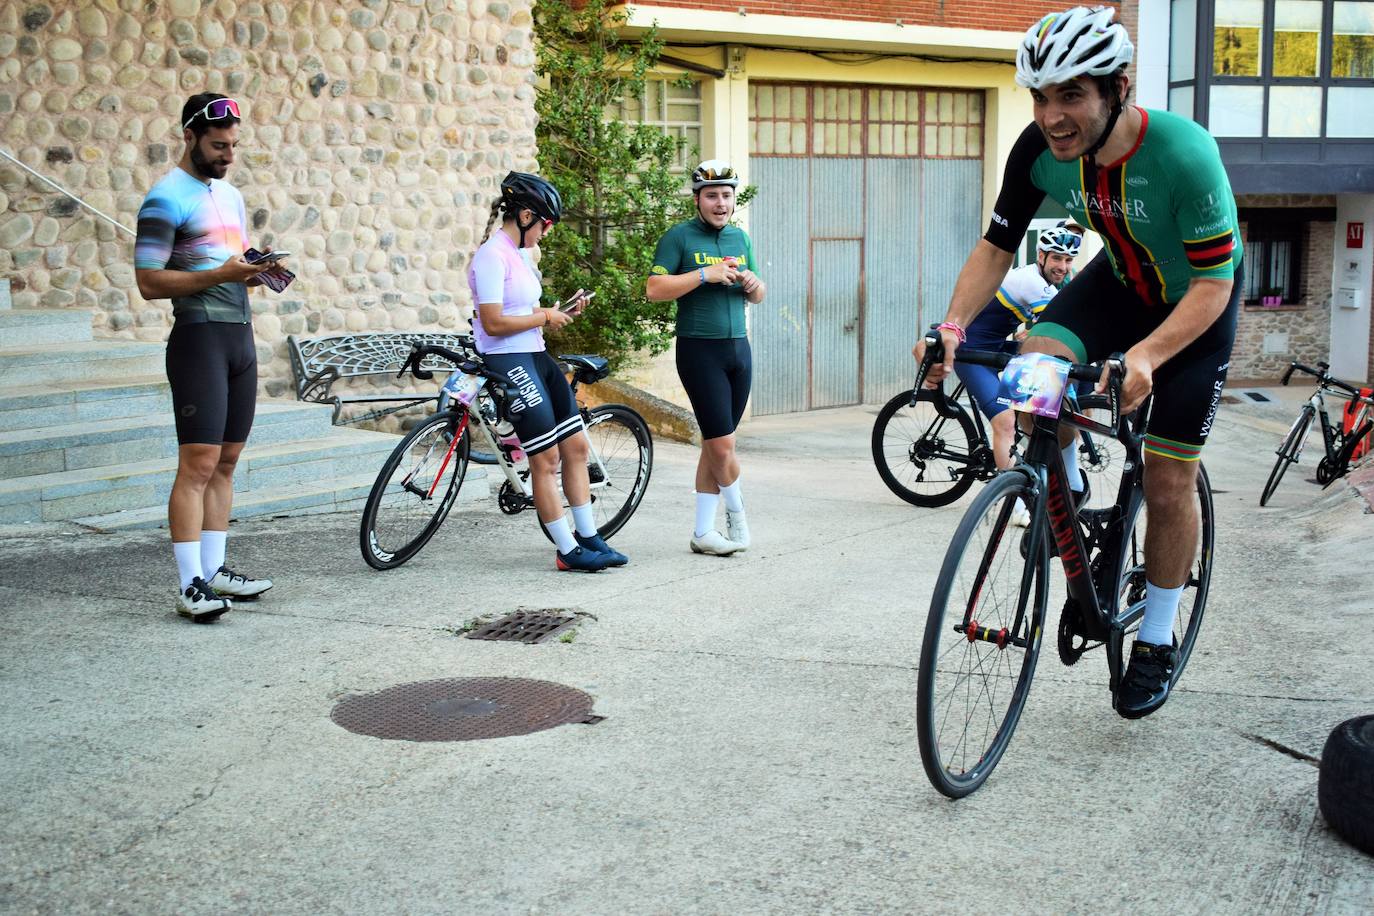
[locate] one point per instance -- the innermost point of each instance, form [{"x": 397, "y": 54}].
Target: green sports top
[
  {"x": 712, "y": 310},
  {"x": 1165, "y": 210}
]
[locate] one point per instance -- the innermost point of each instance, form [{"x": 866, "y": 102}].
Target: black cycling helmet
[{"x": 523, "y": 191}]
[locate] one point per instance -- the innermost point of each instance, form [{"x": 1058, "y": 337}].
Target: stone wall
[
  {"x": 374, "y": 135},
  {"x": 1304, "y": 329}
]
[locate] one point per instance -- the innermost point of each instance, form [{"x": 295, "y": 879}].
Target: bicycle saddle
[{"x": 587, "y": 369}]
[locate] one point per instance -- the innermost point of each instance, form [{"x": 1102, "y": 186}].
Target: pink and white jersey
[{"x": 501, "y": 272}]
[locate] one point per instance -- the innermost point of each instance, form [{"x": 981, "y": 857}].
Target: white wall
[
  {"x": 1352, "y": 269},
  {"x": 1152, "y": 54}
]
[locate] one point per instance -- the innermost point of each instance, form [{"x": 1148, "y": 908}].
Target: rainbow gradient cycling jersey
[{"x": 1165, "y": 210}]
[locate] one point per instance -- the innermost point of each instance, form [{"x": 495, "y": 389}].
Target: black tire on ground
[
  {"x": 970, "y": 692},
  {"x": 924, "y": 457},
  {"x": 1288, "y": 452},
  {"x": 1345, "y": 783},
  {"x": 414, "y": 491}
]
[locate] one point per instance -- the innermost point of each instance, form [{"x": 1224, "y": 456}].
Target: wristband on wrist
[
  {"x": 702, "y": 271},
  {"x": 952, "y": 326},
  {"x": 545, "y": 313}
]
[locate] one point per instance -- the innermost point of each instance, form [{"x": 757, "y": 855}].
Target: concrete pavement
[{"x": 759, "y": 747}]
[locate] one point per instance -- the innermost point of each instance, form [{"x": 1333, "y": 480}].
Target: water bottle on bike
[{"x": 508, "y": 441}]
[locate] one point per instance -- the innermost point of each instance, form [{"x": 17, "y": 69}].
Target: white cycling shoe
[
  {"x": 714, "y": 544},
  {"x": 199, "y": 603},
  {"x": 737, "y": 529},
  {"x": 1020, "y": 517},
  {"x": 235, "y": 585}
]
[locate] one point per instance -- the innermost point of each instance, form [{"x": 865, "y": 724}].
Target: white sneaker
[
  {"x": 227, "y": 582},
  {"x": 714, "y": 544},
  {"x": 1020, "y": 517},
  {"x": 737, "y": 529},
  {"x": 200, "y": 604}
]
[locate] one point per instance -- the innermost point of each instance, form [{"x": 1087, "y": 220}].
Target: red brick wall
[{"x": 999, "y": 15}]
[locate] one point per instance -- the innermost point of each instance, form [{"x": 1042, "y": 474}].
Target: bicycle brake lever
[{"x": 1116, "y": 365}]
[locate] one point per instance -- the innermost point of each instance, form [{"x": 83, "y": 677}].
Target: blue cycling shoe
[
  {"x": 582, "y": 559},
  {"x": 598, "y": 543}
]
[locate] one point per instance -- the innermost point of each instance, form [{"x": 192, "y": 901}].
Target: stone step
[
  {"x": 26, "y": 327},
  {"x": 110, "y": 360},
  {"x": 346, "y": 495},
  {"x": 82, "y": 401},
  {"x": 141, "y": 484},
  {"x": 50, "y": 449}
]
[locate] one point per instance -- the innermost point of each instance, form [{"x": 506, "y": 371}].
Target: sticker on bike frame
[{"x": 1034, "y": 383}]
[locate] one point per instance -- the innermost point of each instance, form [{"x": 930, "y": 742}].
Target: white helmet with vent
[{"x": 1076, "y": 42}]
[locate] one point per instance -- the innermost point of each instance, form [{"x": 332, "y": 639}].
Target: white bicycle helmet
[
  {"x": 1059, "y": 241},
  {"x": 1076, "y": 42},
  {"x": 714, "y": 171}
]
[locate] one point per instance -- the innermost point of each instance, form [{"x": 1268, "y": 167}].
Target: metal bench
[{"x": 319, "y": 362}]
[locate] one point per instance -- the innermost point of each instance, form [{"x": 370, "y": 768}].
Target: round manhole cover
[{"x": 462, "y": 709}]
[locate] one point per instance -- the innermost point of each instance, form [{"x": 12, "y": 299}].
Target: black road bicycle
[
  {"x": 1340, "y": 446},
  {"x": 930, "y": 448},
  {"x": 987, "y": 612},
  {"x": 419, "y": 482}
]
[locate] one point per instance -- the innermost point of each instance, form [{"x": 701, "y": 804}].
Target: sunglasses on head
[{"x": 216, "y": 110}]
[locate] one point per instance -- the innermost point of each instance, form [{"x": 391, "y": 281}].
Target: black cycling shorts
[
  {"x": 1097, "y": 315},
  {"x": 213, "y": 370},
  {"x": 717, "y": 374},
  {"x": 545, "y": 413}
]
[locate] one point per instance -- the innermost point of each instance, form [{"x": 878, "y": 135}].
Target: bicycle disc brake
[{"x": 512, "y": 501}]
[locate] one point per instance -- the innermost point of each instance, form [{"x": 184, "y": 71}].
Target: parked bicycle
[
  {"x": 420, "y": 480},
  {"x": 930, "y": 449},
  {"x": 987, "y": 612},
  {"x": 1342, "y": 442}
]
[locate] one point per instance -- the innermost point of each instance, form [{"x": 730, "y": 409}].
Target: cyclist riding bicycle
[
  {"x": 1164, "y": 290},
  {"x": 1020, "y": 300},
  {"x": 507, "y": 327}
]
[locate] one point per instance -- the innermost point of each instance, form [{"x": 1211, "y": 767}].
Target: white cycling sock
[
  {"x": 706, "y": 513},
  {"x": 188, "y": 561},
  {"x": 1070, "y": 453},
  {"x": 212, "y": 551},
  {"x": 734, "y": 501},
  {"x": 562, "y": 534},
  {"x": 585, "y": 520},
  {"x": 1161, "y": 604}
]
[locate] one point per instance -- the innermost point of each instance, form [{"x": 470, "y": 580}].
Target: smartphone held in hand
[{"x": 274, "y": 276}]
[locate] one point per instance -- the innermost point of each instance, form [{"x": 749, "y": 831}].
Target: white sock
[
  {"x": 706, "y": 513},
  {"x": 1070, "y": 453},
  {"x": 188, "y": 561},
  {"x": 1161, "y": 604},
  {"x": 562, "y": 534},
  {"x": 584, "y": 520},
  {"x": 212, "y": 550},
  {"x": 731, "y": 494}
]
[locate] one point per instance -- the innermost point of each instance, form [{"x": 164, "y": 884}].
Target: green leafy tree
[{"x": 619, "y": 193}]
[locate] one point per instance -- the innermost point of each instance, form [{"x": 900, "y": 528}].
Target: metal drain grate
[
  {"x": 463, "y": 709},
  {"x": 524, "y": 626}
]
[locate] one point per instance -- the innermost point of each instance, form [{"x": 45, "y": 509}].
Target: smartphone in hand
[
  {"x": 274, "y": 276},
  {"x": 253, "y": 256},
  {"x": 573, "y": 301}
]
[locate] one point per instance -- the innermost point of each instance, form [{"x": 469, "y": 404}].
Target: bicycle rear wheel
[
  {"x": 1288, "y": 451},
  {"x": 1193, "y": 602},
  {"x": 923, "y": 457},
  {"x": 981, "y": 642},
  {"x": 414, "y": 491},
  {"x": 621, "y": 438},
  {"x": 1101, "y": 459}
]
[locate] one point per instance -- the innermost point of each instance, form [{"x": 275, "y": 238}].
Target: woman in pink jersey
[{"x": 508, "y": 326}]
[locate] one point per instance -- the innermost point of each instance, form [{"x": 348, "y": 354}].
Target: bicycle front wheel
[
  {"x": 1288, "y": 452},
  {"x": 618, "y": 468},
  {"x": 414, "y": 491},
  {"x": 982, "y": 640},
  {"x": 1193, "y": 601},
  {"x": 923, "y": 457}
]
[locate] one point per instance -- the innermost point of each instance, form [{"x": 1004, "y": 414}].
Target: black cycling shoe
[
  {"x": 1145, "y": 686},
  {"x": 597, "y": 543}
]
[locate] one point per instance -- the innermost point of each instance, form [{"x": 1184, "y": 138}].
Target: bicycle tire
[
  {"x": 910, "y": 437},
  {"x": 1345, "y": 782},
  {"x": 393, "y": 510},
  {"x": 951, "y": 663},
  {"x": 622, "y": 439},
  {"x": 1130, "y": 580},
  {"x": 1288, "y": 451}
]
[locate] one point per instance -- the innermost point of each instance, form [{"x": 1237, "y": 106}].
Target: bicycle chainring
[
  {"x": 1325, "y": 472},
  {"x": 1072, "y": 643},
  {"x": 511, "y": 501}
]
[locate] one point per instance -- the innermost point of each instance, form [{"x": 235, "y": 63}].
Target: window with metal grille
[
  {"x": 673, "y": 107},
  {"x": 1273, "y": 260},
  {"x": 804, "y": 120}
]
